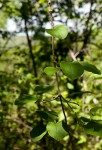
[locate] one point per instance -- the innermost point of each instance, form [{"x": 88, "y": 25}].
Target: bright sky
[{"x": 11, "y": 25}]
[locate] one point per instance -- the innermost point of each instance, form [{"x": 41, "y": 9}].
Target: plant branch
[
  {"x": 63, "y": 108},
  {"x": 30, "y": 48},
  {"x": 54, "y": 59},
  {"x": 19, "y": 122},
  {"x": 56, "y": 75}
]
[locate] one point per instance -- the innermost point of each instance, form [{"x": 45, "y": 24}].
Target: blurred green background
[{"x": 25, "y": 50}]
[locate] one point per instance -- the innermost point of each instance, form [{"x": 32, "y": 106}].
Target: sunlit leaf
[
  {"x": 56, "y": 130},
  {"x": 82, "y": 139},
  {"x": 72, "y": 69},
  {"x": 50, "y": 70},
  {"x": 97, "y": 77},
  {"x": 90, "y": 68},
  {"x": 60, "y": 31},
  {"x": 38, "y": 132}
]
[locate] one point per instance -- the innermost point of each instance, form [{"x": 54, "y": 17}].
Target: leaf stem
[
  {"x": 56, "y": 75},
  {"x": 54, "y": 59}
]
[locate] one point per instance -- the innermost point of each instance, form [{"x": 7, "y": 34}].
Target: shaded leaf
[
  {"x": 90, "y": 68},
  {"x": 49, "y": 116},
  {"x": 72, "y": 69},
  {"x": 96, "y": 111},
  {"x": 93, "y": 128},
  {"x": 56, "y": 130},
  {"x": 26, "y": 99},
  {"x": 60, "y": 31},
  {"x": 81, "y": 92},
  {"x": 50, "y": 70},
  {"x": 38, "y": 132},
  {"x": 83, "y": 120},
  {"x": 65, "y": 126},
  {"x": 40, "y": 89}
]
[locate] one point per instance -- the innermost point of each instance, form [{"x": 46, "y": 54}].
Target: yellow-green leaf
[
  {"x": 60, "y": 31},
  {"x": 56, "y": 130},
  {"x": 50, "y": 70}
]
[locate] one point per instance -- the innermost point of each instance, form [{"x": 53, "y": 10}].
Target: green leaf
[
  {"x": 81, "y": 92},
  {"x": 83, "y": 120},
  {"x": 90, "y": 68},
  {"x": 40, "y": 89},
  {"x": 38, "y": 132},
  {"x": 97, "y": 77},
  {"x": 96, "y": 113},
  {"x": 93, "y": 128},
  {"x": 51, "y": 70},
  {"x": 72, "y": 69},
  {"x": 49, "y": 116},
  {"x": 26, "y": 99},
  {"x": 60, "y": 31},
  {"x": 56, "y": 130},
  {"x": 1, "y": 115},
  {"x": 82, "y": 139}
]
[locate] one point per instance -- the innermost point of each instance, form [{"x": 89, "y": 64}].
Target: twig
[
  {"x": 19, "y": 122},
  {"x": 63, "y": 109},
  {"x": 56, "y": 75},
  {"x": 54, "y": 60},
  {"x": 48, "y": 100}
]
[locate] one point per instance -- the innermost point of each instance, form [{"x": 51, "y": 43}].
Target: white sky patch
[
  {"x": 0, "y": 5},
  {"x": 85, "y": 8},
  {"x": 11, "y": 25}
]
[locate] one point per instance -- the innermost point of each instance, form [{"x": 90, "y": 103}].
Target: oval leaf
[
  {"x": 60, "y": 31},
  {"x": 40, "y": 89},
  {"x": 26, "y": 99},
  {"x": 56, "y": 130},
  {"x": 38, "y": 132},
  {"x": 96, "y": 110},
  {"x": 96, "y": 113},
  {"x": 97, "y": 77},
  {"x": 72, "y": 69},
  {"x": 49, "y": 116},
  {"x": 93, "y": 128},
  {"x": 90, "y": 68},
  {"x": 50, "y": 70}
]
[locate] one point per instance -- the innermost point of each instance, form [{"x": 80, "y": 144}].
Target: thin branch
[
  {"x": 53, "y": 51},
  {"x": 86, "y": 34},
  {"x": 54, "y": 59},
  {"x": 45, "y": 101},
  {"x": 56, "y": 75},
  {"x": 63, "y": 108},
  {"x": 19, "y": 122},
  {"x": 95, "y": 44},
  {"x": 30, "y": 48}
]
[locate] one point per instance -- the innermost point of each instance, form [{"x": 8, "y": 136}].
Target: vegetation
[{"x": 50, "y": 75}]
